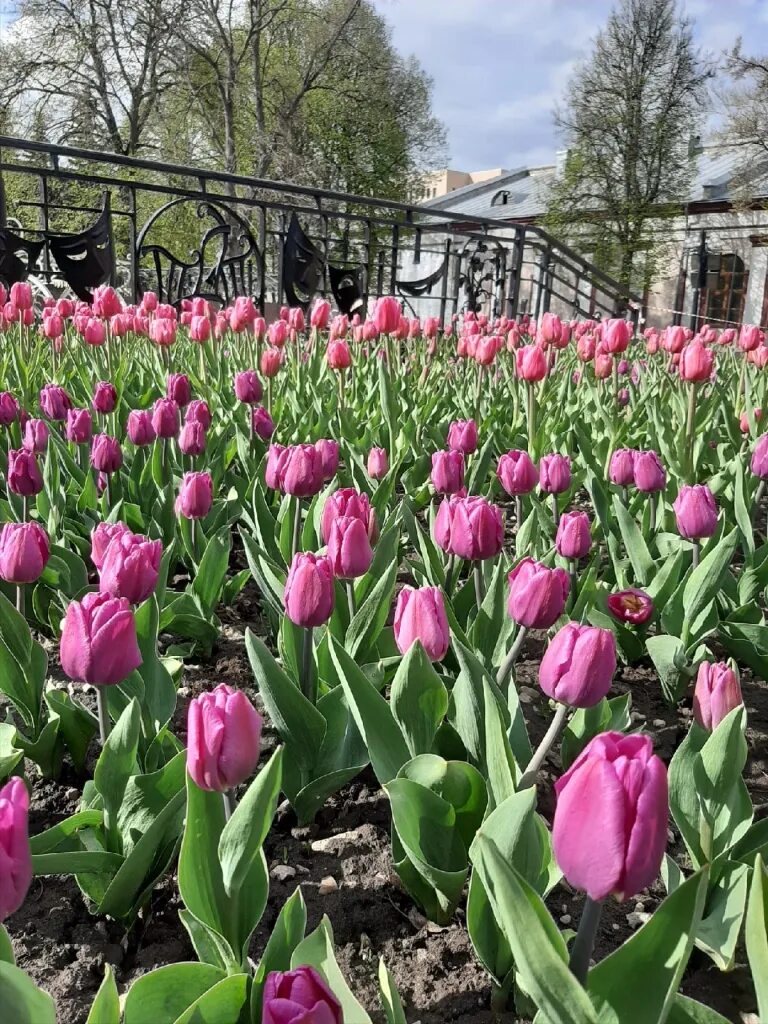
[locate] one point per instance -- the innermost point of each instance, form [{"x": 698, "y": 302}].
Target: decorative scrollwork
[
  {"x": 86, "y": 259},
  {"x": 227, "y": 262},
  {"x": 482, "y": 273}
]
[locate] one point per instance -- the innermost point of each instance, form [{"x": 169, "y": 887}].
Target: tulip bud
[
  {"x": 14, "y": 848},
  {"x": 555, "y": 473},
  {"x": 573, "y": 539},
  {"x": 309, "y": 592},
  {"x": 223, "y": 739},
  {"x": 178, "y": 389},
  {"x": 79, "y": 426},
  {"x": 338, "y": 355},
  {"x": 348, "y": 502},
  {"x": 192, "y": 438},
  {"x": 162, "y": 331},
  {"x": 650, "y": 475},
  {"x": 622, "y": 468},
  {"x": 610, "y": 824},
  {"x": 165, "y": 418},
  {"x": 300, "y": 996},
  {"x": 106, "y": 453},
  {"x": 140, "y": 429},
  {"x": 248, "y": 387},
  {"x": 378, "y": 463},
  {"x": 55, "y": 402},
  {"x": 24, "y": 553},
  {"x": 447, "y": 472},
  {"x": 616, "y": 335},
  {"x": 329, "y": 457},
  {"x": 531, "y": 363},
  {"x": 759, "y": 463},
  {"x": 320, "y": 315},
  {"x": 198, "y": 412},
  {"x": 696, "y": 512},
  {"x": 349, "y": 549},
  {"x": 262, "y": 423},
  {"x": 470, "y": 528},
  {"x": 462, "y": 436},
  {"x": 386, "y": 315},
  {"x": 537, "y": 594},
  {"x": 105, "y": 397},
  {"x": 35, "y": 436},
  {"x": 9, "y": 409},
  {"x": 696, "y": 362},
  {"x": 271, "y": 361},
  {"x": 195, "y": 496},
  {"x": 23, "y": 476},
  {"x": 750, "y": 337},
  {"x": 130, "y": 567},
  {"x": 631, "y": 605},
  {"x": 420, "y": 615},
  {"x": 21, "y": 295},
  {"x": 717, "y": 693},
  {"x": 98, "y": 640},
  {"x": 516, "y": 472},
  {"x": 578, "y": 666}
]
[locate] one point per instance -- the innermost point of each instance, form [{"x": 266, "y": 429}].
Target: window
[
  {"x": 727, "y": 292},
  {"x": 501, "y": 198}
]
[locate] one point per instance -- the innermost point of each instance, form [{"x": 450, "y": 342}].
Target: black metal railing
[{"x": 181, "y": 231}]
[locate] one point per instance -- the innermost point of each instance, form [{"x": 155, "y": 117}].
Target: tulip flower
[
  {"x": 469, "y": 528},
  {"x": 200, "y": 329},
  {"x": 248, "y": 387},
  {"x": 195, "y": 496},
  {"x": 130, "y": 567},
  {"x": 105, "y": 397},
  {"x": 95, "y": 332},
  {"x": 14, "y": 850},
  {"x": 55, "y": 402},
  {"x": 622, "y": 469},
  {"x": 633, "y": 606},
  {"x": 537, "y": 594},
  {"x": 329, "y": 457},
  {"x": 21, "y": 295},
  {"x": 531, "y": 363},
  {"x": 165, "y": 418},
  {"x": 696, "y": 362},
  {"x": 757, "y": 415},
  {"x": 223, "y": 739},
  {"x": 386, "y": 314},
  {"x": 611, "y": 818},
  {"x": 695, "y": 512},
  {"x": 262, "y": 423},
  {"x": 759, "y": 463},
  {"x": 447, "y": 472},
  {"x": 79, "y": 428},
  {"x": 578, "y": 665},
  {"x": 101, "y": 537},
  {"x": 24, "y": 552},
  {"x": 192, "y": 438},
  {"x": 300, "y": 996},
  {"x": 573, "y": 539},
  {"x": 717, "y": 693},
  {"x": 650, "y": 475},
  {"x": 348, "y": 502},
  {"x": 555, "y": 473},
  {"x": 349, "y": 548},
  {"x": 271, "y": 361},
  {"x": 750, "y": 337},
  {"x": 9, "y": 409},
  {"x": 517, "y": 473},
  {"x": 378, "y": 463},
  {"x": 462, "y": 436},
  {"x": 298, "y": 470},
  {"x": 338, "y": 355},
  {"x": 198, "y": 412},
  {"x": 140, "y": 429},
  {"x": 162, "y": 331},
  {"x": 420, "y": 615},
  {"x": 277, "y": 333},
  {"x": 106, "y": 301},
  {"x": 98, "y": 640},
  {"x": 616, "y": 335},
  {"x": 106, "y": 454},
  {"x": 23, "y": 476},
  {"x": 35, "y": 436},
  {"x": 178, "y": 389},
  {"x": 309, "y": 592},
  {"x": 320, "y": 314}
]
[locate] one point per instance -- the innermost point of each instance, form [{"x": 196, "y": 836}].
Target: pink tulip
[
  {"x": 162, "y": 331},
  {"x": 9, "y": 409},
  {"x": 95, "y": 333},
  {"x": 717, "y": 693},
  {"x": 106, "y": 301},
  {"x": 348, "y": 502},
  {"x": 192, "y": 438},
  {"x": 616, "y": 335},
  {"x": 750, "y": 337},
  {"x": 320, "y": 315},
  {"x": 248, "y": 387},
  {"x": 633, "y": 606},
  {"x": 101, "y": 537},
  {"x": 309, "y": 592},
  {"x": 447, "y": 472},
  {"x": 574, "y": 538},
  {"x": 223, "y": 739},
  {"x": 106, "y": 453},
  {"x": 104, "y": 397},
  {"x": 271, "y": 361},
  {"x": 300, "y": 996},
  {"x": 200, "y": 329},
  {"x": 469, "y": 528},
  {"x": 695, "y": 512},
  {"x": 79, "y": 426},
  {"x": 537, "y": 594},
  {"x": 622, "y": 468},
  {"x": 420, "y": 615},
  {"x": 378, "y": 463},
  {"x": 24, "y": 552},
  {"x": 98, "y": 640},
  {"x": 21, "y": 295},
  {"x": 555, "y": 473},
  {"x": 165, "y": 418},
  {"x": 278, "y": 333},
  {"x": 262, "y": 423},
  {"x": 338, "y": 355},
  {"x": 696, "y": 362},
  {"x": 23, "y": 476},
  {"x": 198, "y": 412},
  {"x": 130, "y": 567},
  {"x": 178, "y": 389},
  {"x": 14, "y": 849},
  {"x": 759, "y": 463},
  {"x": 386, "y": 315},
  {"x": 349, "y": 548},
  {"x": 516, "y": 472},
  {"x": 650, "y": 475},
  {"x": 195, "y": 496},
  {"x": 578, "y": 665},
  {"x": 531, "y": 363},
  {"x": 462, "y": 436},
  {"x": 328, "y": 451},
  {"x": 55, "y": 402},
  {"x": 35, "y": 436},
  {"x": 140, "y": 429}
]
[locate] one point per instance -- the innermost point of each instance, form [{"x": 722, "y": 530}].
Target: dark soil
[{"x": 64, "y": 948}]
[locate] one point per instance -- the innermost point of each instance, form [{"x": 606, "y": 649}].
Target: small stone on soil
[
  {"x": 327, "y": 885},
  {"x": 282, "y": 872}
]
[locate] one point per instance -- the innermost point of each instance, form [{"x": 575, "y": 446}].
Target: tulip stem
[
  {"x": 519, "y": 510},
  {"x": 306, "y": 679},
  {"x": 20, "y": 599},
  {"x": 351, "y": 599},
  {"x": 230, "y": 803},
  {"x": 758, "y": 498},
  {"x": 101, "y": 707},
  {"x": 584, "y": 943},
  {"x": 449, "y": 574},
  {"x": 555, "y": 511},
  {"x": 296, "y": 528},
  {"x": 477, "y": 572},
  {"x": 528, "y": 777},
  {"x": 574, "y": 571},
  {"x": 24, "y": 509},
  {"x": 509, "y": 662},
  {"x": 696, "y": 553},
  {"x": 652, "y": 515},
  {"x": 689, "y": 429},
  {"x": 531, "y": 410}
]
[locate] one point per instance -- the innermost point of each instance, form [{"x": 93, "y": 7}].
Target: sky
[{"x": 499, "y": 66}]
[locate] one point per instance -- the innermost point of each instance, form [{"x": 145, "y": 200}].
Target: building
[
  {"x": 715, "y": 260},
  {"x": 441, "y": 183}
]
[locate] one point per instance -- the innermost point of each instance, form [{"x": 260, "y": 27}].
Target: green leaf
[
  {"x": 756, "y": 934},
  {"x": 221, "y": 1004},
  {"x": 200, "y": 881},
  {"x": 390, "y": 998},
  {"x": 720, "y": 928},
  {"x": 317, "y": 951},
  {"x": 638, "y": 982},
  {"x": 286, "y": 935},
  {"x": 668, "y": 656},
  {"x": 370, "y": 618},
  {"x": 643, "y": 564},
  {"x": 418, "y": 700},
  {"x": 46, "y": 842},
  {"x": 6, "y": 949},
  {"x": 117, "y": 762},
  {"x": 21, "y": 1001},
  {"x": 76, "y": 862},
  {"x": 245, "y": 832},
  {"x": 106, "y": 1005},
  {"x": 164, "y": 994},
  {"x": 704, "y": 581},
  {"x": 688, "y": 1011},
  {"x": 537, "y": 947},
  {"x": 212, "y": 571},
  {"x": 385, "y": 741}
]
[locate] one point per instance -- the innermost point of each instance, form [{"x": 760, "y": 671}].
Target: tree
[
  {"x": 627, "y": 120},
  {"x": 746, "y": 108}
]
